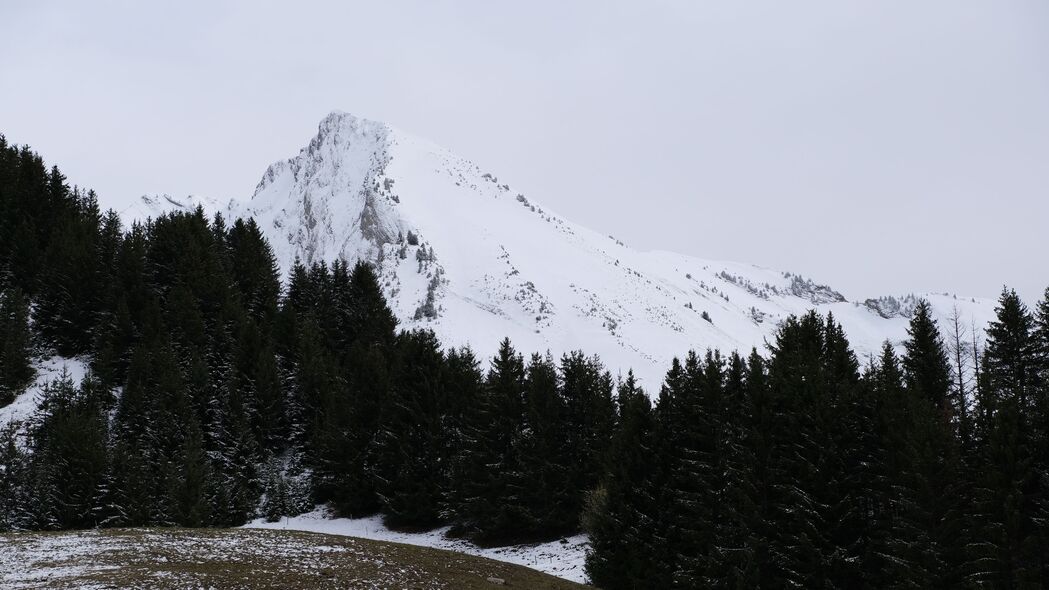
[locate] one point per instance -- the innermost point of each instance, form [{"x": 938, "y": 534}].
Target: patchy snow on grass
[
  {"x": 564, "y": 558},
  {"x": 47, "y": 559},
  {"x": 247, "y": 559}
]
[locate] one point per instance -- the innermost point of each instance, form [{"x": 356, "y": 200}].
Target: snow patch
[
  {"x": 47, "y": 371},
  {"x": 564, "y": 558}
]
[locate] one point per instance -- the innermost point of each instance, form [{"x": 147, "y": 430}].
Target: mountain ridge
[{"x": 461, "y": 252}]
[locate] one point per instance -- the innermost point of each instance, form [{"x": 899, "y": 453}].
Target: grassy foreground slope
[{"x": 249, "y": 559}]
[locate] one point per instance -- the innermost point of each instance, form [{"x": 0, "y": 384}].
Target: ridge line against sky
[{"x": 883, "y": 149}]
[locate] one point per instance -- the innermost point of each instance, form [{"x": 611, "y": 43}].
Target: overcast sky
[{"x": 882, "y": 146}]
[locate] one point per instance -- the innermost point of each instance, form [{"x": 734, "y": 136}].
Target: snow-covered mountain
[{"x": 462, "y": 251}]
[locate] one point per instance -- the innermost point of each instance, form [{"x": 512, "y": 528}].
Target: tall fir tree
[
  {"x": 412, "y": 469},
  {"x": 587, "y": 389},
  {"x": 547, "y": 506},
  {"x": 16, "y": 369},
  {"x": 1006, "y": 549},
  {"x": 618, "y": 511},
  {"x": 493, "y": 483}
]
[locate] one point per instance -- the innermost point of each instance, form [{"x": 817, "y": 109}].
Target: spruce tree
[
  {"x": 464, "y": 382},
  {"x": 617, "y": 512},
  {"x": 15, "y": 368},
  {"x": 411, "y": 466},
  {"x": 1011, "y": 356},
  {"x": 68, "y": 455},
  {"x": 900, "y": 466},
  {"x": 812, "y": 376},
  {"x": 925, "y": 364},
  {"x": 1041, "y": 432},
  {"x": 254, "y": 270},
  {"x": 1006, "y": 507},
  {"x": 738, "y": 509},
  {"x": 67, "y": 306},
  {"x": 1041, "y": 336},
  {"x": 696, "y": 477},
  {"x": 932, "y": 452},
  {"x": 587, "y": 390},
  {"x": 493, "y": 483},
  {"x": 547, "y": 506},
  {"x": 14, "y": 490},
  {"x": 657, "y": 548}
]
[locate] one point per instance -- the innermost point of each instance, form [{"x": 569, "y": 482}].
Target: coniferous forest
[{"x": 217, "y": 394}]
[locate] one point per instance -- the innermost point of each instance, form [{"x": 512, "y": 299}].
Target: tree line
[{"x": 216, "y": 395}]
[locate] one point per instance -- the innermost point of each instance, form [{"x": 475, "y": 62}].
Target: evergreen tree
[
  {"x": 696, "y": 476},
  {"x": 1041, "y": 335},
  {"x": 1011, "y": 355},
  {"x": 617, "y": 512},
  {"x": 13, "y": 481},
  {"x": 411, "y": 466},
  {"x": 738, "y": 510},
  {"x": 1041, "y": 433},
  {"x": 15, "y": 368},
  {"x": 932, "y": 453},
  {"x": 464, "y": 382},
  {"x": 587, "y": 390},
  {"x": 362, "y": 359},
  {"x": 901, "y": 479},
  {"x": 68, "y": 455},
  {"x": 926, "y": 368},
  {"x": 253, "y": 268},
  {"x": 812, "y": 374},
  {"x": 67, "y": 306},
  {"x": 489, "y": 492},
  {"x": 1007, "y": 551},
  {"x": 548, "y": 504}
]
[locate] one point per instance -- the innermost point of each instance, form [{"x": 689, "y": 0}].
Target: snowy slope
[
  {"x": 47, "y": 372},
  {"x": 491, "y": 261},
  {"x": 563, "y": 558}
]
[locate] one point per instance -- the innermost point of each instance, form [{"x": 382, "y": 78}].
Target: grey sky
[{"x": 887, "y": 146}]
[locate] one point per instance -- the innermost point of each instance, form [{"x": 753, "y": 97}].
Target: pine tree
[
  {"x": 15, "y": 368},
  {"x": 69, "y": 457},
  {"x": 492, "y": 483},
  {"x": 587, "y": 390},
  {"x": 1041, "y": 335},
  {"x": 254, "y": 270},
  {"x": 908, "y": 464},
  {"x": 193, "y": 486},
  {"x": 547, "y": 505},
  {"x": 362, "y": 355},
  {"x": 696, "y": 477},
  {"x": 67, "y": 306},
  {"x": 760, "y": 435},
  {"x": 812, "y": 375},
  {"x": 1009, "y": 552},
  {"x": 13, "y": 480},
  {"x": 1011, "y": 356},
  {"x": 925, "y": 365},
  {"x": 617, "y": 511},
  {"x": 657, "y": 548},
  {"x": 464, "y": 382},
  {"x": 1041, "y": 433},
  {"x": 738, "y": 509},
  {"x": 933, "y": 452},
  {"x": 369, "y": 319},
  {"x": 411, "y": 469}
]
